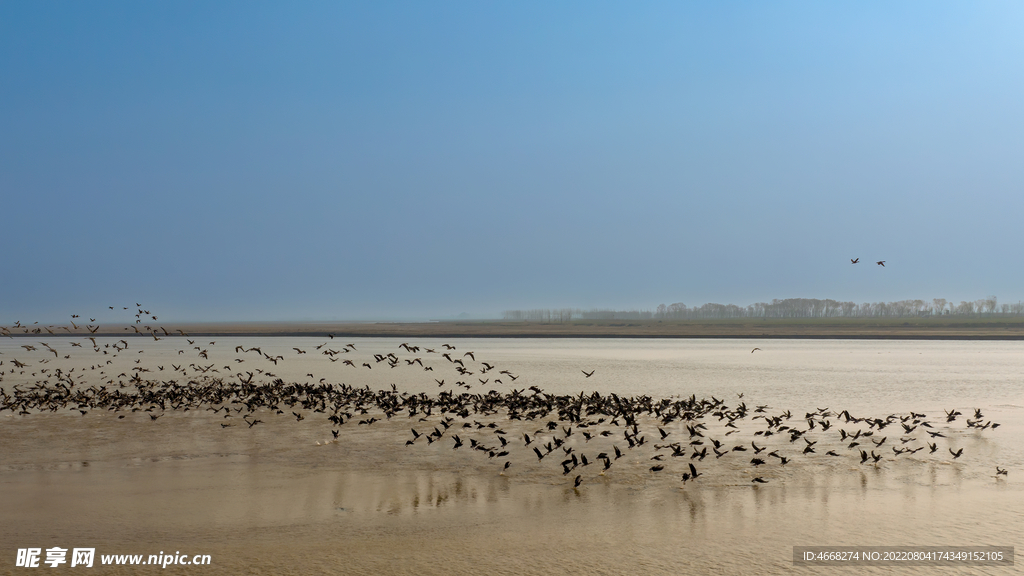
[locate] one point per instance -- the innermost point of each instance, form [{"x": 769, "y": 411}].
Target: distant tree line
[{"x": 788, "y": 308}]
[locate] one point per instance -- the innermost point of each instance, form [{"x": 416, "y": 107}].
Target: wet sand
[{"x": 270, "y": 501}]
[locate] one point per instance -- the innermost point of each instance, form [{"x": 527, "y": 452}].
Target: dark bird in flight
[
  {"x": 754, "y": 350},
  {"x": 854, "y": 260},
  {"x": 759, "y": 480},
  {"x": 586, "y": 374},
  {"x": 693, "y": 472},
  {"x": 881, "y": 263},
  {"x": 957, "y": 453},
  {"x": 577, "y": 482}
]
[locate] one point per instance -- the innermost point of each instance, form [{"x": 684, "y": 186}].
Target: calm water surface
[{"x": 279, "y": 498}]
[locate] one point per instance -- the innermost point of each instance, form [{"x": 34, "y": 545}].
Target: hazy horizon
[
  {"x": 906, "y": 307},
  {"x": 405, "y": 161}
]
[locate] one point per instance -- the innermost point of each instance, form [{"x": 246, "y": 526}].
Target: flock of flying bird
[{"x": 658, "y": 432}]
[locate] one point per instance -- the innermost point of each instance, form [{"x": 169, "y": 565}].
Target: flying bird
[
  {"x": 854, "y": 260},
  {"x": 881, "y": 263}
]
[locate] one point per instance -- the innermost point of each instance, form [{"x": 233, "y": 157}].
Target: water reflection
[{"x": 397, "y": 509}]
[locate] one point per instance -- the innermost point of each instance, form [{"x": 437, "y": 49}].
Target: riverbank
[{"x": 968, "y": 328}]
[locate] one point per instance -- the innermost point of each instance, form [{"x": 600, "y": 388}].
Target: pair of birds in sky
[{"x": 856, "y": 260}]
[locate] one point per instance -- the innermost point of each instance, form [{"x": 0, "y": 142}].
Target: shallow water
[{"x": 269, "y": 499}]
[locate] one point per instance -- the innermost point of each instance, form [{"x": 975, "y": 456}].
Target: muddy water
[{"x": 281, "y": 497}]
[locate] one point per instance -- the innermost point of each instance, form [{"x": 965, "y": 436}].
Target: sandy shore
[{"x": 859, "y": 328}]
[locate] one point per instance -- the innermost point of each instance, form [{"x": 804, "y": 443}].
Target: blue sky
[{"x": 398, "y": 160}]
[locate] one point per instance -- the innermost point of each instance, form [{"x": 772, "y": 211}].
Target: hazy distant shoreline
[{"x": 857, "y": 328}]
